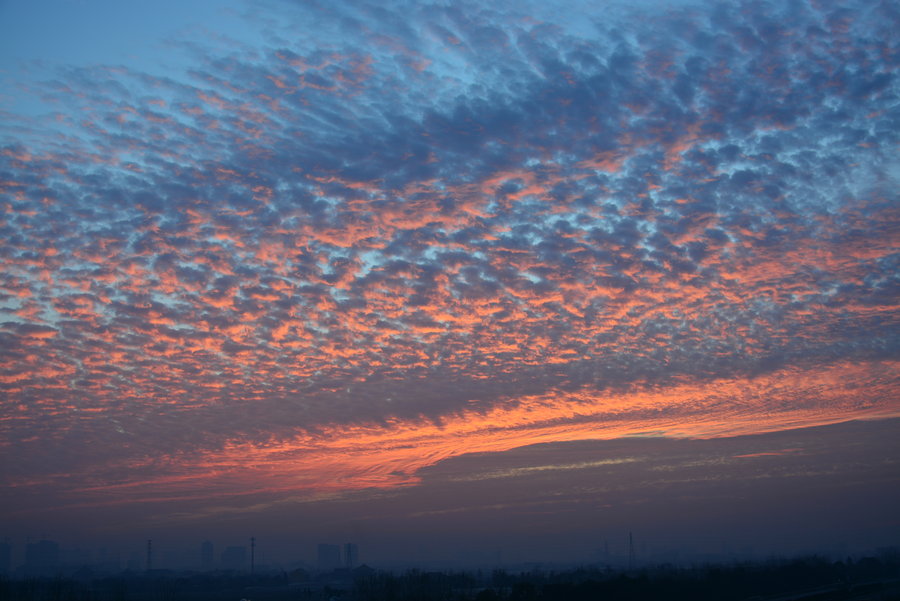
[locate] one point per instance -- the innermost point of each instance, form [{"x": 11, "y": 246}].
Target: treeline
[
  {"x": 158, "y": 586},
  {"x": 807, "y": 579},
  {"x": 802, "y": 579}
]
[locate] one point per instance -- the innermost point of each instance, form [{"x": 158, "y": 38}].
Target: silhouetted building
[
  {"x": 351, "y": 555},
  {"x": 234, "y": 558},
  {"x": 329, "y": 556},
  {"x": 206, "y": 555},
  {"x": 5, "y": 558},
  {"x": 41, "y": 557}
]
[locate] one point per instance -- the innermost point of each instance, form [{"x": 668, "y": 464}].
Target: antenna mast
[{"x": 630, "y": 551}]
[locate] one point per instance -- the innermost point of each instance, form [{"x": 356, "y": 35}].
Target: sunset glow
[{"x": 310, "y": 250}]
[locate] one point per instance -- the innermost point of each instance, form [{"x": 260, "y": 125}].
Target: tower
[
  {"x": 206, "y": 555},
  {"x": 351, "y": 555},
  {"x": 252, "y": 553},
  {"x": 630, "y": 551}
]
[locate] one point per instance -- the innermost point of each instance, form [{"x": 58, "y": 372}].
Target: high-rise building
[
  {"x": 351, "y": 555},
  {"x": 42, "y": 557},
  {"x": 329, "y": 556},
  {"x": 206, "y": 555},
  {"x": 5, "y": 558}
]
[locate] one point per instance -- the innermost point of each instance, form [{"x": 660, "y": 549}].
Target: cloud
[{"x": 419, "y": 216}]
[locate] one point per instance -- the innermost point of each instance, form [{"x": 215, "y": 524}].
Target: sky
[{"x": 268, "y": 261}]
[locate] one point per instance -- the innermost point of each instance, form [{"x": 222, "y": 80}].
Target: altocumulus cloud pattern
[{"x": 386, "y": 234}]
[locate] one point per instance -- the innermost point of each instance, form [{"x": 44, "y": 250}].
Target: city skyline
[
  {"x": 423, "y": 275},
  {"x": 681, "y": 501}
]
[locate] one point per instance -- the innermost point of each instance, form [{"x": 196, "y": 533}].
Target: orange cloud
[{"x": 389, "y": 454}]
